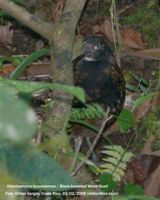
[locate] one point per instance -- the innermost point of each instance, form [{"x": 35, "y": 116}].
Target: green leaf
[
  {"x": 127, "y": 156},
  {"x": 27, "y": 61},
  {"x": 145, "y": 82},
  {"x": 134, "y": 197},
  {"x": 141, "y": 197},
  {"x": 30, "y": 87},
  {"x": 17, "y": 119},
  {"x": 5, "y": 179},
  {"x": 30, "y": 166},
  {"x": 143, "y": 89},
  {"x": 142, "y": 99},
  {"x": 119, "y": 198},
  {"x": 140, "y": 80},
  {"x": 131, "y": 189},
  {"x": 2, "y": 13},
  {"x": 131, "y": 87},
  {"x": 125, "y": 120},
  {"x": 136, "y": 77},
  {"x": 17, "y": 1},
  {"x": 107, "y": 182}
]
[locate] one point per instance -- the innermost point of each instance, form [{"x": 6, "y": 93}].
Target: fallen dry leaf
[
  {"x": 143, "y": 109},
  {"x": 38, "y": 69},
  {"x": 112, "y": 129},
  {"x": 147, "y": 149},
  {"x": 86, "y": 29},
  {"x": 126, "y": 10},
  {"x": 6, "y": 70},
  {"x": 105, "y": 28},
  {"x": 153, "y": 54},
  {"x": 152, "y": 187},
  {"x": 35, "y": 69},
  {"x": 147, "y": 146},
  {"x": 6, "y": 34},
  {"x": 148, "y": 53},
  {"x": 131, "y": 39},
  {"x": 135, "y": 172}
]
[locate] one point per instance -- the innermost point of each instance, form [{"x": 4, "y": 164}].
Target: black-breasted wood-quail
[{"x": 97, "y": 72}]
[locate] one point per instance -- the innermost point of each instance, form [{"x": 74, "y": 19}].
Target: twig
[
  {"x": 32, "y": 21},
  {"x": 115, "y": 31},
  {"x": 94, "y": 143},
  {"x": 78, "y": 144}
]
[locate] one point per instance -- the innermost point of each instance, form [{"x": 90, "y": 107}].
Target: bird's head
[{"x": 95, "y": 49}]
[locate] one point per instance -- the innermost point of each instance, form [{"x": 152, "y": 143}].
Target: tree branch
[
  {"x": 61, "y": 41},
  {"x": 32, "y": 21},
  {"x": 61, "y": 55}
]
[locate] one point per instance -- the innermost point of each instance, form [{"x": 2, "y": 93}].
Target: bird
[{"x": 97, "y": 72}]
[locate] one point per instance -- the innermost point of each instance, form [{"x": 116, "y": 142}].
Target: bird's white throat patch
[{"x": 88, "y": 58}]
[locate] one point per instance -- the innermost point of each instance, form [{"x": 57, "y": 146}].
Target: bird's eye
[{"x": 95, "y": 47}]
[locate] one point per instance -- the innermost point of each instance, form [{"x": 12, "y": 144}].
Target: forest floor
[{"x": 137, "y": 34}]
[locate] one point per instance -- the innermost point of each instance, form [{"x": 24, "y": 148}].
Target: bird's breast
[{"x": 102, "y": 82}]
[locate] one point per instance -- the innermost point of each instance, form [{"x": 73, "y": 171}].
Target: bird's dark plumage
[{"x": 98, "y": 74}]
